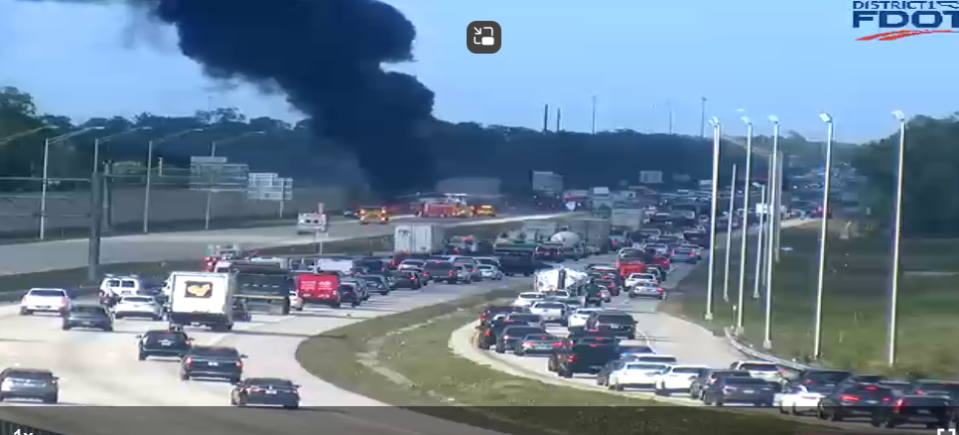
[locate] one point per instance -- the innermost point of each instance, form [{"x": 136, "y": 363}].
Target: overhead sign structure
[
  {"x": 651, "y": 177},
  {"x": 209, "y": 173},
  {"x": 269, "y": 186}
]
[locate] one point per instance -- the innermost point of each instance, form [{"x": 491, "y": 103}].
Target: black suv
[
  {"x": 929, "y": 411},
  {"x": 212, "y": 362},
  {"x": 854, "y": 400},
  {"x": 491, "y": 329},
  {"x": 87, "y": 316},
  {"x": 618, "y": 324},
  {"x": 582, "y": 358},
  {"x": 163, "y": 343}
]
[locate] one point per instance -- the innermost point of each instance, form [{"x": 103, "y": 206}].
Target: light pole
[
  {"x": 760, "y": 238},
  {"x": 730, "y": 217},
  {"x": 149, "y": 177},
  {"x": 592, "y": 129},
  {"x": 23, "y": 134},
  {"x": 209, "y": 190},
  {"x": 714, "y": 204},
  {"x": 747, "y": 184},
  {"x": 702, "y": 117},
  {"x": 46, "y": 173},
  {"x": 672, "y": 115},
  {"x": 102, "y": 140},
  {"x": 774, "y": 208},
  {"x": 896, "y": 243},
  {"x": 824, "y": 232}
]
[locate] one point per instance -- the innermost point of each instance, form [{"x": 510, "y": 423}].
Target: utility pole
[
  {"x": 702, "y": 117},
  {"x": 545, "y": 118},
  {"x": 559, "y": 118},
  {"x": 96, "y": 227}
]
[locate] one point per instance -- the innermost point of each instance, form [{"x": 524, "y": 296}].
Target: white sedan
[
  {"x": 635, "y": 279},
  {"x": 527, "y": 299},
  {"x": 799, "y": 399},
  {"x": 577, "y": 319},
  {"x": 635, "y": 374},
  {"x": 678, "y": 378},
  {"x": 138, "y": 306},
  {"x": 488, "y": 271}
]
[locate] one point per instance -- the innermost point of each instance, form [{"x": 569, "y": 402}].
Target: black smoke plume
[{"x": 327, "y": 56}]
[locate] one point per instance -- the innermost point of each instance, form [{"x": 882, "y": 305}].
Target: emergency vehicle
[
  {"x": 377, "y": 215},
  {"x": 630, "y": 265},
  {"x": 484, "y": 210},
  {"x": 319, "y": 288},
  {"x": 445, "y": 209},
  {"x": 217, "y": 253}
]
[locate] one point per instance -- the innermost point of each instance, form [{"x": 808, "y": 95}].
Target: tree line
[{"x": 608, "y": 158}]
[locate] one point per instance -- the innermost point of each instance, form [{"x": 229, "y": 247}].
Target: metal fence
[{"x": 173, "y": 205}]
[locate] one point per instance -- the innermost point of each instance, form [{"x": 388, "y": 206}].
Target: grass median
[
  {"x": 855, "y": 302},
  {"x": 415, "y": 368}
]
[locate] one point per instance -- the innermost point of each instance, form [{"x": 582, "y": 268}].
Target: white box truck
[
  {"x": 202, "y": 299},
  {"x": 419, "y": 238},
  {"x": 629, "y": 218}
]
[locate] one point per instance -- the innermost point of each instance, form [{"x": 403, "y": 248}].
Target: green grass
[
  {"x": 855, "y": 302},
  {"x": 435, "y": 381}
]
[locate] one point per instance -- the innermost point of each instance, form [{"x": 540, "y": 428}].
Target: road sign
[
  {"x": 217, "y": 174},
  {"x": 651, "y": 177},
  {"x": 269, "y": 186}
]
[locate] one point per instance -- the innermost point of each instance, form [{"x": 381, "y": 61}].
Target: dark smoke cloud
[{"x": 326, "y": 55}]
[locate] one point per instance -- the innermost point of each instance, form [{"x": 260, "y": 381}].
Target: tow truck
[{"x": 484, "y": 210}]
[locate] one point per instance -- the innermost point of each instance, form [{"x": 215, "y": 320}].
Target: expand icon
[{"x": 484, "y": 37}]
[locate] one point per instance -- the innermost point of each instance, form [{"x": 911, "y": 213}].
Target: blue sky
[{"x": 792, "y": 59}]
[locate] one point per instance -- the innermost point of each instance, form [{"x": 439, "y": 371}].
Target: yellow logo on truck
[{"x": 198, "y": 289}]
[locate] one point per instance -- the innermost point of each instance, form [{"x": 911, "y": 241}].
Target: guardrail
[{"x": 748, "y": 350}]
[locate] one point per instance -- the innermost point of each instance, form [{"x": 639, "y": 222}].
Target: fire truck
[
  {"x": 445, "y": 209},
  {"x": 370, "y": 215},
  {"x": 484, "y": 210}
]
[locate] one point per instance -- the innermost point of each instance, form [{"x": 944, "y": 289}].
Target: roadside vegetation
[
  {"x": 404, "y": 359},
  {"x": 855, "y": 302}
]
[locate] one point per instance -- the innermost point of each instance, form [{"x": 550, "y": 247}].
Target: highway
[
  {"x": 69, "y": 254},
  {"x": 669, "y": 335},
  {"x": 99, "y": 369}
]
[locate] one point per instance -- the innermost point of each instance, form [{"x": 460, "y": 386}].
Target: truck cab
[{"x": 373, "y": 214}]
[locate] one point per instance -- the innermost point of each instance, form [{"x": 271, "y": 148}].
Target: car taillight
[
  {"x": 849, "y": 398},
  {"x": 729, "y": 389},
  {"x": 592, "y": 345},
  {"x": 527, "y": 343},
  {"x": 505, "y": 337},
  {"x": 897, "y": 407},
  {"x": 253, "y": 390},
  {"x": 660, "y": 289},
  {"x": 571, "y": 358},
  {"x": 239, "y": 364},
  {"x": 413, "y": 278},
  {"x": 63, "y": 301},
  {"x": 886, "y": 399},
  {"x": 189, "y": 361},
  {"x": 871, "y": 388},
  {"x": 920, "y": 392},
  {"x": 488, "y": 333},
  {"x": 451, "y": 273}
]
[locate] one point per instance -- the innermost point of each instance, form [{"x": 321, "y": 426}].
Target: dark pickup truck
[{"x": 517, "y": 263}]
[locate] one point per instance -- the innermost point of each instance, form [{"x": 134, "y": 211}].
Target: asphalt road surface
[
  {"x": 100, "y": 369},
  {"x": 68, "y": 254}
]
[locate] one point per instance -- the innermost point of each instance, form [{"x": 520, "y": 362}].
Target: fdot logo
[{"x": 924, "y": 18}]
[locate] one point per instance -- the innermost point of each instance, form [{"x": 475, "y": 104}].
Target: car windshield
[
  {"x": 737, "y": 380},
  {"x": 645, "y": 367},
  {"x": 166, "y": 335},
  {"x": 615, "y": 318},
  {"x": 221, "y": 352},
  {"x": 136, "y": 300},
  {"x": 658, "y": 359},
  {"x": 31, "y": 375},
  {"x": 88, "y": 310},
  {"x": 48, "y": 293},
  {"x": 824, "y": 376},
  {"x": 413, "y": 263},
  {"x": 686, "y": 250},
  {"x": 524, "y": 317},
  {"x": 689, "y": 370},
  {"x": 757, "y": 367},
  {"x": 635, "y": 349},
  {"x": 522, "y": 331},
  {"x": 438, "y": 265},
  {"x": 486, "y": 267},
  {"x": 549, "y": 306},
  {"x": 951, "y": 388},
  {"x": 531, "y": 296},
  {"x": 488, "y": 261},
  {"x": 269, "y": 382}
]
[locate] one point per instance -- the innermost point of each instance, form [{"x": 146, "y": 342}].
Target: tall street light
[
  {"x": 760, "y": 238},
  {"x": 23, "y": 134},
  {"x": 824, "y": 233},
  {"x": 149, "y": 177},
  {"x": 747, "y": 185},
  {"x": 896, "y": 243},
  {"x": 774, "y": 211},
  {"x": 46, "y": 172},
  {"x": 729, "y": 231},
  {"x": 103, "y": 140},
  {"x": 714, "y": 204},
  {"x": 209, "y": 191}
]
